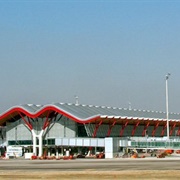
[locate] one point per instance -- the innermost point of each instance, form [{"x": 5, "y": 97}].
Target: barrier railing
[{"x": 156, "y": 144}]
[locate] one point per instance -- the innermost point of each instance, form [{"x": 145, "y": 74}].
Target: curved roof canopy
[{"x": 84, "y": 113}]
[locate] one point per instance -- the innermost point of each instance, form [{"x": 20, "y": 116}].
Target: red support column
[
  {"x": 162, "y": 132},
  {"x": 48, "y": 121},
  {"x": 145, "y": 128},
  {"x": 96, "y": 128},
  {"x": 122, "y": 129},
  {"x": 110, "y": 128},
  {"x": 134, "y": 129},
  {"x": 28, "y": 120},
  {"x": 172, "y": 129},
  {"x": 178, "y": 132},
  {"x": 29, "y": 125},
  {"x": 95, "y": 132},
  {"x": 155, "y": 128}
]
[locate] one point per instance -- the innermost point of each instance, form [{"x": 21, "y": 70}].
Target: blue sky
[{"x": 105, "y": 52}]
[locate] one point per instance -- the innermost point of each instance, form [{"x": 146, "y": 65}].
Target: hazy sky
[{"x": 105, "y": 52}]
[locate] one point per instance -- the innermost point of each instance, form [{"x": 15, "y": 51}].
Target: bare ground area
[{"x": 88, "y": 174}]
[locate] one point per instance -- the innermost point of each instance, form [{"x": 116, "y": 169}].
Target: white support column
[
  {"x": 57, "y": 154},
  {"x": 62, "y": 151},
  {"x": 111, "y": 147},
  {"x": 41, "y": 143},
  {"x": 49, "y": 153},
  {"x": 34, "y": 142}
]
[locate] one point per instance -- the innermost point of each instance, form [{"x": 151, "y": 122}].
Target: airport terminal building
[{"x": 62, "y": 128}]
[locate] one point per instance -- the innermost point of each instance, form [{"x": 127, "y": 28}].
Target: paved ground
[
  {"x": 141, "y": 168},
  {"x": 92, "y": 164}
]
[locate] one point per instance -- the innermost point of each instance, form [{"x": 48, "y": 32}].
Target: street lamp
[
  {"x": 77, "y": 102},
  {"x": 167, "y": 108}
]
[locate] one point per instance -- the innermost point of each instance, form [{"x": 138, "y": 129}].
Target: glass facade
[{"x": 51, "y": 142}]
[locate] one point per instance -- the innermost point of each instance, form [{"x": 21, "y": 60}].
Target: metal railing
[{"x": 156, "y": 144}]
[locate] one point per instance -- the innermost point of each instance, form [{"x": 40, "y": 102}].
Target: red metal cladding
[
  {"x": 25, "y": 113},
  {"x": 110, "y": 128},
  {"x": 122, "y": 129},
  {"x": 145, "y": 128},
  {"x": 172, "y": 129},
  {"x": 155, "y": 128},
  {"x": 96, "y": 128},
  {"x": 27, "y": 123},
  {"x": 134, "y": 129},
  {"x": 48, "y": 108}
]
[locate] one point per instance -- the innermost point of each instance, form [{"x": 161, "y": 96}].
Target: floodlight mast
[
  {"x": 77, "y": 100},
  {"x": 167, "y": 106}
]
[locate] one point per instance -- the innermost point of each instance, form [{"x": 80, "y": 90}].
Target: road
[{"x": 91, "y": 164}]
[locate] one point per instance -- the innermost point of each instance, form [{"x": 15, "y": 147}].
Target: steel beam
[
  {"x": 29, "y": 125},
  {"x": 145, "y": 128},
  {"x": 110, "y": 128},
  {"x": 172, "y": 129},
  {"x": 162, "y": 132},
  {"x": 134, "y": 129},
  {"x": 155, "y": 128},
  {"x": 122, "y": 129},
  {"x": 96, "y": 128}
]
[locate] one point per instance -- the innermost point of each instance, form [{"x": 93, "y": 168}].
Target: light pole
[
  {"x": 77, "y": 102},
  {"x": 146, "y": 135},
  {"x": 167, "y": 108}
]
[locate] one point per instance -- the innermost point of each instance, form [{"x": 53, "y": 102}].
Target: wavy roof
[{"x": 83, "y": 113}]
